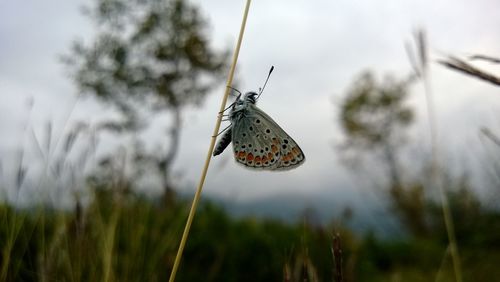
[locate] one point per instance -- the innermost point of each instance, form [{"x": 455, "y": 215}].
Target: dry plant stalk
[
  {"x": 422, "y": 68},
  {"x": 462, "y": 66},
  {"x": 211, "y": 147},
  {"x": 485, "y": 58},
  {"x": 493, "y": 138},
  {"x": 337, "y": 258}
]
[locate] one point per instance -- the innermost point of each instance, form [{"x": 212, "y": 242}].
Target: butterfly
[{"x": 258, "y": 141}]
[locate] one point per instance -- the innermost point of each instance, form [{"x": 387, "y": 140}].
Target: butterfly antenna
[{"x": 265, "y": 83}]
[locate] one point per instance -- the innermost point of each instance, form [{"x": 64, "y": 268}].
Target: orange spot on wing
[
  {"x": 249, "y": 157},
  {"x": 274, "y": 148},
  {"x": 241, "y": 155},
  {"x": 264, "y": 159},
  {"x": 296, "y": 151},
  {"x": 287, "y": 157},
  {"x": 258, "y": 159}
]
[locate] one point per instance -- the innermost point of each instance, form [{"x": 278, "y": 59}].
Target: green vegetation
[{"x": 129, "y": 238}]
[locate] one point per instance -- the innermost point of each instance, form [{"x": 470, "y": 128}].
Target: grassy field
[{"x": 128, "y": 238}]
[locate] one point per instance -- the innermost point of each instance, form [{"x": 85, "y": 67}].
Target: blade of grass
[
  {"x": 485, "y": 58},
  {"x": 468, "y": 69},
  {"x": 440, "y": 274},
  {"x": 495, "y": 139},
  {"x": 109, "y": 242},
  {"x": 211, "y": 147},
  {"x": 435, "y": 169}
]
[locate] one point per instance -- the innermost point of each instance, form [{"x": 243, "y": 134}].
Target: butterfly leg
[
  {"x": 232, "y": 104},
  {"x": 222, "y": 131},
  {"x": 227, "y": 108},
  {"x": 232, "y": 88}
]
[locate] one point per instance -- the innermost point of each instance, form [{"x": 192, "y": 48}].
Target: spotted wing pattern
[{"x": 260, "y": 143}]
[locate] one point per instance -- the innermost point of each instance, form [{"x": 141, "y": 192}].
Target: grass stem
[
  {"x": 211, "y": 147},
  {"x": 436, "y": 168}
]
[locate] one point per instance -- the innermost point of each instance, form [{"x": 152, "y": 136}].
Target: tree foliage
[
  {"x": 373, "y": 114},
  {"x": 374, "y": 118},
  {"x": 147, "y": 55},
  {"x": 152, "y": 52}
]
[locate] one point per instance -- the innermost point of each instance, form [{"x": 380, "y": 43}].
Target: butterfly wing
[{"x": 260, "y": 143}]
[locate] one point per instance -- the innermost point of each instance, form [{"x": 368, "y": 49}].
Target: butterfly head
[{"x": 250, "y": 97}]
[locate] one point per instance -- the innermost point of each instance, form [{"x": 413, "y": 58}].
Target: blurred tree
[
  {"x": 374, "y": 119},
  {"x": 147, "y": 56}
]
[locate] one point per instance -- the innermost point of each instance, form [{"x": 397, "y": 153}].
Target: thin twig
[{"x": 211, "y": 147}]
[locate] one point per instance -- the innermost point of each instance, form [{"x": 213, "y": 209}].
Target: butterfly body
[{"x": 258, "y": 141}]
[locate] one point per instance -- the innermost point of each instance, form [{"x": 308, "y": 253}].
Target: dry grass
[
  {"x": 464, "y": 67},
  {"x": 421, "y": 65},
  {"x": 197, "y": 195}
]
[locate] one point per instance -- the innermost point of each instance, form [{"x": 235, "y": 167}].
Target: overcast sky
[{"x": 317, "y": 47}]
